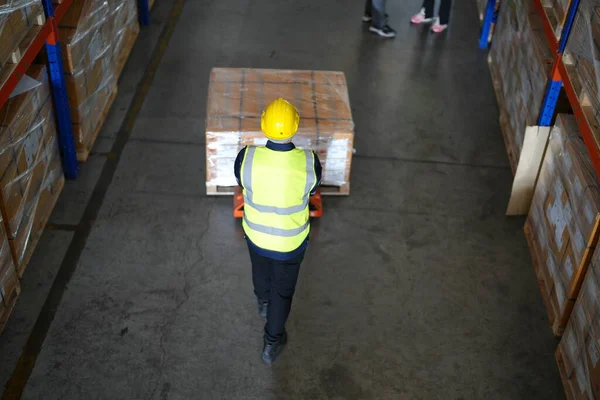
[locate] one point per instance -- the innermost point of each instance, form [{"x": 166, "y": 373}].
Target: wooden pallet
[
  {"x": 34, "y": 239},
  {"x": 507, "y": 133},
  {"x": 131, "y": 36},
  {"x": 213, "y": 190},
  {"x": 568, "y": 384},
  {"x": 83, "y": 154},
  {"x": 17, "y": 54}
]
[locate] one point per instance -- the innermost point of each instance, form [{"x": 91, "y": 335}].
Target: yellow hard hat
[{"x": 280, "y": 120}]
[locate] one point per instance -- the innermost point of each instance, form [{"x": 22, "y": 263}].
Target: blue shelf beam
[
  {"x": 555, "y": 82},
  {"x": 489, "y": 19},
  {"x": 144, "y": 11},
  {"x": 60, "y": 97}
]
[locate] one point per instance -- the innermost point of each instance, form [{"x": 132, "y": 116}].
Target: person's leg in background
[
  {"x": 283, "y": 286},
  {"x": 425, "y": 14},
  {"x": 444, "y": 13},
  {"x": 379, "y": 22},
  {"x": 261, "y": 278},
  {"x": 368, "y": 16},
  {"x": 441, "y": 22}
]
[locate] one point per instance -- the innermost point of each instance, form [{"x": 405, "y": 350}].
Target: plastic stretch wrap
[
  {"x": 521, "y": 62},
  {"x": 237, "y": 98},
  {"x": 555, "y": 10},
  {"x": 582, "y": 57},
  {"x": 564, "y": 209},
  {"x": 17, "y": 17},
  {"x": 93, "y": 33},
  {"x": 580, "y": 345},
  {"x": 9, "y": 281},
  {"x": 30, "y": 167}
]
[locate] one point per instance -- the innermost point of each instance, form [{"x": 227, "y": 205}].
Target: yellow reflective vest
[{"x": 276, "y": 187}]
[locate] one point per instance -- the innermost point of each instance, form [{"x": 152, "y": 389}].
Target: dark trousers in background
[
  {"x": 376, "y": 10},
  {"x": 275, "y": 282},
  {"x": 444, "y": 12}
]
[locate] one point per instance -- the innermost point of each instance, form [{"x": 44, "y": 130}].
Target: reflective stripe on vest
[
  {"x": 310, "y": 183},
  {"x": 277, "y": 188}
]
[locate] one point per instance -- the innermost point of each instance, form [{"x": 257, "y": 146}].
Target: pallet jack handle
[{"x": 315, "y": 205}]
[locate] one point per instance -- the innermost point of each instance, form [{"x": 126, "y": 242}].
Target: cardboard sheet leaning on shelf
[
  {"x": 235, "y": 102},
  {"x": 30, "y": 167}
]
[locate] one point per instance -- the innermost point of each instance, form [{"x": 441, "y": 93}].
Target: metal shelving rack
[
  {"x": 48, "y": 37},
  {"x": 559, "y": 77},
  {"x": 490, "y": 16}
]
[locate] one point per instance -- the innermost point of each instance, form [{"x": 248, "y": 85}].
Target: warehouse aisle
[{"x": 414, "y": 287}]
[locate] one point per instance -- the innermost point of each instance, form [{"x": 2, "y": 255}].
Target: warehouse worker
[{"x": 277, "y": 181}]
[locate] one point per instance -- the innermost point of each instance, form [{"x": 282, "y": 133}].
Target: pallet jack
[{"x": 315, "y": 206}]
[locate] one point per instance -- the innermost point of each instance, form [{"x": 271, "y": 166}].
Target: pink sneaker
[
  {"x": 420, "y": 18},
  {"x": 437, "y": 27}
]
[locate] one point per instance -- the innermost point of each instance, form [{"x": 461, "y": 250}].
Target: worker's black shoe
[
  {"x": 385, "y": 31},
  {"x": 272, "y": 350},
  {"x": 263, "y": 306}
]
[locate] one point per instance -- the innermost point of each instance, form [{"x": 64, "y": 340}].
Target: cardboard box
[
  {"x": 237, "y": 97},
  {"x": 523, "y": 60},
  {"x": 564, "y": 207},
  {"x": 14, "y": 27},
  {"x": 30, "y": 165},
  {"x": 9, "y": 281}
]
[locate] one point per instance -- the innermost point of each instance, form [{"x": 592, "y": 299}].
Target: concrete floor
[{"x": 414, "y": 287}]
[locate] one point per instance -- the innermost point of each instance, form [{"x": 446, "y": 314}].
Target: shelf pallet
[{"x": 47, "y": 36}]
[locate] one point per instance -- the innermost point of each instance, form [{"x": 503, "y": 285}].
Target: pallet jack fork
[{"x": 315, "y": 206}]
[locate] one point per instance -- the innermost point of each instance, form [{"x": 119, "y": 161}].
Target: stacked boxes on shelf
[
  {"x": 126, "y": 29},
  {"x": 30, "y": 166},
  {"x": 18, "y": 18},
  {"x": 563, "y": 212},
  {"x": 97, "y": 37},
  {"x": 579, "y": 350},
  {"x": 555, "y": 11},
  {"x": 9, "y": 281},
  {"x": 520, "y": 62},
  {"x": 582, "y": 60},
  {"x": 236, "y": 100}
]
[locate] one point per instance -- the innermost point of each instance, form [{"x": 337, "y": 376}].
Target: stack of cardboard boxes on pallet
[
  {"x": 578, "y": 353},
  {"x": 236, "y": 100},
  {"x": 97, "y": 37},
  {"x": 520, "y": 61},
  {"x": 20, "y": 21},
  {"x": 562, "y": 216},
  {"x": 582, "y": 60},
  {"x": 31, "y": 175}
]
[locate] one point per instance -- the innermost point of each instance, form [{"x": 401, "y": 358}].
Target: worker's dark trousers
[
  {"x": 275, "y": 282},
  {"x": 376, "y": 10},
  {"x": 444, "y": 12}
]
